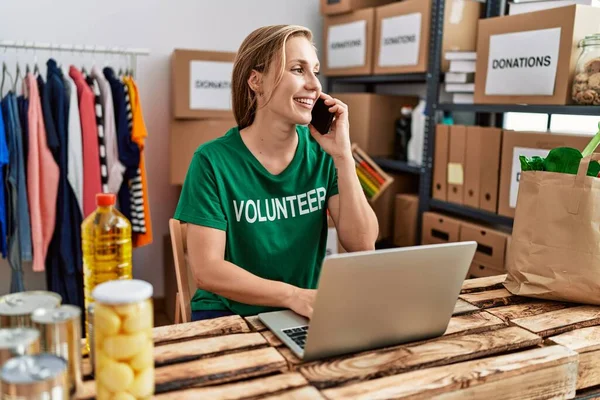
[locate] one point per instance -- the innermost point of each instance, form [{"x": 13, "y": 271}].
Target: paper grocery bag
[{"x": 555, "y": 252}]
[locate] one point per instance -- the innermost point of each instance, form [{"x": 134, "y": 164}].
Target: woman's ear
[{"x": 255, "y": 82}]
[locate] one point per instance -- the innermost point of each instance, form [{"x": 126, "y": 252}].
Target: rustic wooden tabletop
[{"x": 496, "y": 346}]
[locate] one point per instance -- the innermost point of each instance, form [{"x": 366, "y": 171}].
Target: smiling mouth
[{"x": 305, "y": 102}]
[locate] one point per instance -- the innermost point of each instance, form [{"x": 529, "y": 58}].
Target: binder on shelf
[{"x": 373, "y": 179}]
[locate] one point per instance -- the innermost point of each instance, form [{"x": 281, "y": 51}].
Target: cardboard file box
[
  {"x": 482, "y": 168},
  {"x": 440, "y": 163},
  {"x": 438, "y": 228},
  {"x": 332, "y": 7},
  {"x": 456, "y": 163},
  {"x": 491, "y": 244},
  {"x": 406, "y": 210}
]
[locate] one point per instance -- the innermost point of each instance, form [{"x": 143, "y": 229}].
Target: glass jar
[
  {"x": 586, "y": 85},
  {"x": 123, "y": 345}
]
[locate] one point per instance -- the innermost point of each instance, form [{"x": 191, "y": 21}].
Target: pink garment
[
  {"x": 89, "y": 131},
  {"x": 42, "y": 178}
]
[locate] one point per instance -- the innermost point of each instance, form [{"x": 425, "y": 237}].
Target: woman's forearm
[{"x": 358, "y": 227}]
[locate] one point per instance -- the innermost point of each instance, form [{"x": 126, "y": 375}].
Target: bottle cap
[
  {"x": 105, "y": 199},
  {"x": 122, "y": 291}
]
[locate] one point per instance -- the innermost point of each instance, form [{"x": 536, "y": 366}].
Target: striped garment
[
  {"x": 100, "y": 122},
  {"x": 138, "y": 220}
]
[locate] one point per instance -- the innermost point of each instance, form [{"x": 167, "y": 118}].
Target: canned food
[
  {"x": 16, "y": 308},
  {"x": 38, "y": 377},
  {"x": 60, "y": 334},
  {"x": 15, "y": 342},
  {"x": 124, "y": 348}
]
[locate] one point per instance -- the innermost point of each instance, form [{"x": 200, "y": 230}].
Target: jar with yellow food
[{"x": 123, "y": 345}]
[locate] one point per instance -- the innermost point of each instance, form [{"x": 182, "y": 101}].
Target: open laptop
[{"x": 374, "y": 299}]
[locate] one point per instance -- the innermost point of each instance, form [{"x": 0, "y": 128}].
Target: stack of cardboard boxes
[
  {"x": 365, "y": 37},
  {"x": 201, "y": 99}
]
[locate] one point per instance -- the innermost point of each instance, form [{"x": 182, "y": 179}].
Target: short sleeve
[
  {"x": 332, "y": 185},
  {"x": 199, "y": 203}
]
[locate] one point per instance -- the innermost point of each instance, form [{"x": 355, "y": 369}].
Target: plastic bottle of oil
[{"x": 106, "y": 245}]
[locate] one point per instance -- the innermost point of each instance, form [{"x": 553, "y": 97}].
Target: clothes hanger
[{"x": 4, "y": 73}]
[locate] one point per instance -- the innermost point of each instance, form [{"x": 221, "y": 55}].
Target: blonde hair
[{"x": 257, "y": 52}]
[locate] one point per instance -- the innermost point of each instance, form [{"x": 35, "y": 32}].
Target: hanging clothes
[
  {"x": 75, "y": 173},
  {"x": 138, "y": 135},
  {"x": 23, "y": 106},
  {"x": 42, "y": 177},
  {"x": 129, "y": 152},
  {"x": 100, "y": 129},
  {"x": 3, "y": 211},
  {"x": 19, "y": 239},
  {"x": 64, "y": 266},
  {"x": 138, "y": 222},
  {"x": 115, "y": 168},
  {"x": 92, "y": 184}
]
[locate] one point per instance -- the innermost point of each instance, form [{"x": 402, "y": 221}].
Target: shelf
[
  {"x": 397, "y": 166},
  {"x": 469, "y": 212},
  {"x": 527, "y": 108},
  {"x": 374, "y": 79}
]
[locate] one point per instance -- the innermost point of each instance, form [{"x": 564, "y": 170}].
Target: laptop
[{"x": 373, "y": 299}]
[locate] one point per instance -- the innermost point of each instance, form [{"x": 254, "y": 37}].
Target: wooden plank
[
  {"x": 508, "y": 313},
  {"x": 214, "y": 370},
  {"x": 271, "y": 339},
  {"x": 212, "y": 346},
  {"x": 251, "y": 388},
  {"x": 305, "y": 393},
  {"x": 483, "y": 284},
  {"x": 547, "y": 372},
  {"x": 292, "y": 360},
  {"x": 209, "y": 327},
  {"x": 586, "y": 342},
  {"x": 473, "y": 323},
  {"x": 401, "y": 359},
  {"x": 494, "y": 298},
  {"x": 560, "y": 321},
  {"x": 462, "y": 307},
  {"x": 255, "y": 324}
]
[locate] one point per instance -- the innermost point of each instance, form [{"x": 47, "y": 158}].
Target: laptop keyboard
[{"x": 298, "y": 335}]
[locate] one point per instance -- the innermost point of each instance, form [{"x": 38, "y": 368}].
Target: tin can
[
  {"x": 15, "y": 342},
  {"x": 90, "y": 332},
  {"x": 60, "y": 334},
  {"x": 39, "y": 377},
  {"x": 16, "y": 308},
  {"x": 124, "y": 347}
]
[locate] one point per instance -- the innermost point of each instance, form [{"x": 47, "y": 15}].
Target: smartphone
[{"x": 321, "y": 117}]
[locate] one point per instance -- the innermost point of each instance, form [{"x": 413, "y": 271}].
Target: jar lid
[
  {"x": 16, "y": 337},
  {"x": 24, "y": 303},
  {"x": 54, "y": 315},
  {"x": 29, "y": 369},
  {"x": 122, "y": 291}
]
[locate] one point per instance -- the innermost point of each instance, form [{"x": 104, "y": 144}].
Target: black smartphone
[{"x": 321, "y": 117}]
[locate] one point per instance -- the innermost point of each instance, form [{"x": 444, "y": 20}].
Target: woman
[{"x": 256, "y": 199}]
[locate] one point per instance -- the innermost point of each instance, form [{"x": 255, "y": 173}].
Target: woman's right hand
[{"x": 301, "y": 301}]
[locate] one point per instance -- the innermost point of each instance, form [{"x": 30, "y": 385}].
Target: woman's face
[{"x": 293, "y": 99}]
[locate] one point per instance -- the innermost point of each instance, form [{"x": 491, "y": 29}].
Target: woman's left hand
[{"x": 336, "y": 143}]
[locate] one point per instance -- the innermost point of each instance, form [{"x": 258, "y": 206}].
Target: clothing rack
[{"x": 133, "y": 53}]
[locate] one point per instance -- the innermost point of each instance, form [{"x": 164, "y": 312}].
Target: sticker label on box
[
  {"x": 210, "y": 85},
  {"x": 515, "y": 175},
  {"x": 347, "y": 45},
  {"x": 400, "y": 39},
  {"x": 456, "y": 174},
  {"x": 523, "y": 63}
]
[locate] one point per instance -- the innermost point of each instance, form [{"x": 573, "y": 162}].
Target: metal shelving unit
[{"x": 486, "y": 114}]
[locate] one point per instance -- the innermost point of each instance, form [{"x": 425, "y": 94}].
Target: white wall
[{"x": 161, "y": 26}]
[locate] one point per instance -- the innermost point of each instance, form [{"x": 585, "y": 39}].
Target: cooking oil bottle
[{"x": 106, "y": 246}]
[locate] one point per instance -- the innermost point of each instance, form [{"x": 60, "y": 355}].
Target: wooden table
[{"x": 496, "y": 346}]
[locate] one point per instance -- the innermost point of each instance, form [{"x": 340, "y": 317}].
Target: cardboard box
[
  {"x": 481, "y": 271},
  {"x": 440, "y": 163},
  {"x": 186, "y": 136},
  {"x": 348, "y": 43},
  {"x": 373, "y": 118},
  {"x": 491, "y": 244},
  {"x": 201, "y": 84},
  {"x": 482, "y": 167},
  {"x": 456, "y": 164},
  {"x": 527, "y": 144},
  {"x": 438, "y": 228},
  {"x": 531, "y": 58},
  {"x": 384, "y": 206},
  {"x": 406, "y": 213},
  {"x": 402, "y": 34},
  {"x": 332, "y": 7}
]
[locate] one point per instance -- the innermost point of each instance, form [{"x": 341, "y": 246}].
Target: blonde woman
[{"x": 256, "y": 199}]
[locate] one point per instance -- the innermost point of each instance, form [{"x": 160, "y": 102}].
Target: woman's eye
[
  {"x": 298, "y": 70},
  {"x": 317, "y": 73}
]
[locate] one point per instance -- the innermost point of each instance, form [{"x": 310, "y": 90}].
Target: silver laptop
[{"x": 373, "y": 299}]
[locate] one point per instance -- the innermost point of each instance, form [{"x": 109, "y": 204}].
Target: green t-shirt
[{"x": 276, "y": 225}]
